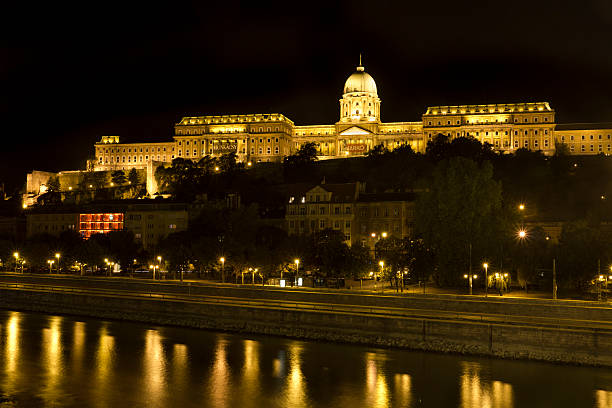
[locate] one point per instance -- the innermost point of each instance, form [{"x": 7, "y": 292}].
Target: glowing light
[
  {"x": 384, "y": 235},
  {"x": 522, "y": 234},
  {"x": 485, "y": 265},
  {"x": 521, "y": 207},
  {"x": 24, "y": 205}
]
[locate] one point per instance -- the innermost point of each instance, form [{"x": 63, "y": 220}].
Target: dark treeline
[{"x": 466, "y": 213}]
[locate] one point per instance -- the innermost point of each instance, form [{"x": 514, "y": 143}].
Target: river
[{"x": 65, "y": 361}]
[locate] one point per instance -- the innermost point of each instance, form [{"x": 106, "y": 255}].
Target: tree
[
  {"x": 457, "y": 214},
  {"x": 53, "y": 184},
  {"x": 133, "y": 177},
  {"x": 118, "y": 177},
  {"x": 299, "y": 166}
]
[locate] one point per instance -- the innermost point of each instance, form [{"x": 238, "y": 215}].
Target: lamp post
[
  {"x": 486, "y": 268},
  {"x": 50, "y": 262},
  {"x": 222, "y": 259},
  {"x": 382, "y": 266},
  {"x": 57, "y": 255},
  {"x": 470, "y": 277},
  {"x": 16, "y": 255},
  {"x": 159, "y": 259},
  {"x": 297, "y": 270}
]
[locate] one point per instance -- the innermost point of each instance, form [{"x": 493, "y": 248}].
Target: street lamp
[
  {"x": 153, "y": 267},
  {"x": 470, "y": 277},
  {"x": 16, "y": 255},
  {"x": 57, "y": 255},
  {"x": 222, "y": 259},
  {"x": 522, "y": 234},
  {"x": 382, "y": 266},
  {"x": 486, "y": 268},
  {"x": 297, "y": 270},
  {"x": 384, "y": 235},
  {"x": 521, "y": 207},
  {"x": 50, "y": 262}
]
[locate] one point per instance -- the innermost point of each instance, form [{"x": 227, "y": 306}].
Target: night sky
[{"x": 72, "y": 72}]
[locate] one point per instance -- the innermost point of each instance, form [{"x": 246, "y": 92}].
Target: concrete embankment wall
[
  {"x": 559, "y": 344},
  {"x": 545, "y": 308}
]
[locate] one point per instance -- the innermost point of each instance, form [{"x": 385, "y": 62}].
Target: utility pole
[{"x": 554, "y": 279}]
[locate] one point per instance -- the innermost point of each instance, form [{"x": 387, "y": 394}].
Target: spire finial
[{"x": 360, "y": 67}]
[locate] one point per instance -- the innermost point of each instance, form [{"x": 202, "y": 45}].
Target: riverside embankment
[{"x": 560, "y": 331}]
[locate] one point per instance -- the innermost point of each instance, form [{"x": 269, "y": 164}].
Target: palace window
[
  {"x": 582, "y": 149},
  {"x": 526, "y": 143},
  {"x": 322, "y": 224}
]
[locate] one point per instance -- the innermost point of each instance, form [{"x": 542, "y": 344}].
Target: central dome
[{"x": 360, "y": 81}]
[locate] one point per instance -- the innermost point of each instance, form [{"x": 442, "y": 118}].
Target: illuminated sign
[
  {"x": 356, "y": 148},
  {"x": 224, "y": 148}
]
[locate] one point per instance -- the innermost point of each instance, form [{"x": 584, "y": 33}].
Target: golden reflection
[
  {"x": 276, "y": 367},
  {"x": 78, "y": 343},
  {"x": 475, "y": 393},
  {"x": 219, "y": 387},
  {"x": 104, "y": 359},
  {"x": 250, "y": 368},
  {"x": 52, "y": 359},
  {"x": 154, "y": 369},
  {"x": 402, "y": 385},
  {"x": 180, "y": 367},
  {"x": 11, "y": 351},
  {"x": 376, "y": 384},
  {"x": 296, "y": 384},
  {"x": 603, "y": 399}
]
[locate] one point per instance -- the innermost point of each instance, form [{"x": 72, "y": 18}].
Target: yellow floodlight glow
[
  {"x": 522, "y": 234},
  {"x": 222, "y": 260},
  {"x": 485, "y": 265},
  {"x": 384, "y": 235},
  {"x": 382, "y": 264},
  {"x": 521, "y": 207}
]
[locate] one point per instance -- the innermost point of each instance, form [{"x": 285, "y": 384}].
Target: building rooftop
[
  {"x": 584, "y": 126},
  {"x": 488, "y": 108}
]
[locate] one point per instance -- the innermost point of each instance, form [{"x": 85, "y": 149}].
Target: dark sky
[{"x": 71, "y": 72}]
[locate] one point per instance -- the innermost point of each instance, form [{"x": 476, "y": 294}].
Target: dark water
[{"x": 55, "y": 361}]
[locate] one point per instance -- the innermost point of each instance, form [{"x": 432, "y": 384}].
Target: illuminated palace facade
[{"x": 271, "y": 137}]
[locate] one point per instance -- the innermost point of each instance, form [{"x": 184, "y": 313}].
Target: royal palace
[{"x": 271, "y": 137}]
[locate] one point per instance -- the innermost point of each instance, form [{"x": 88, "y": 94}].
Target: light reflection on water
[
  {"x": 64, "y": 362},
  {"x": 476, "y": 393}
]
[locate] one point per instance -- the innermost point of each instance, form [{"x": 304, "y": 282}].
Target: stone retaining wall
[{"x": 557, "y": 344}]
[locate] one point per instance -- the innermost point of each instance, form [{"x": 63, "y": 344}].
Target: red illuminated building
[{"x": 102, "y": 223}]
